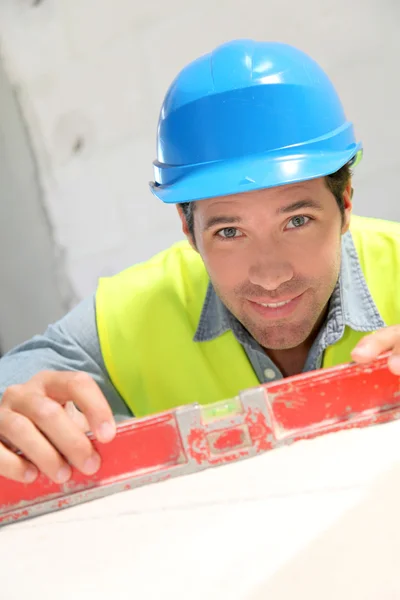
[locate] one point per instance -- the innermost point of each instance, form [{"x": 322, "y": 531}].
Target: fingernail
[
  {"x": 63, "y": 474},
  {"x": 92, "y": 464},
  {"x": 30, "y": 474},
  {"x": 106, "y": 432},
  {"x": 394, "y": 364},
  {"x": 363, "y": 350}
]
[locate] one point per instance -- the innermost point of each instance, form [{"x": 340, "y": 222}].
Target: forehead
[{"x": 270, "y": 199}]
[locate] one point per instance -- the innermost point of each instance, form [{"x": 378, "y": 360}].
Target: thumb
[{"x": 77, "y": 417}]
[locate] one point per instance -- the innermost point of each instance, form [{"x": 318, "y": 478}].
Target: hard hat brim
[{"x": 250, "y": 173}]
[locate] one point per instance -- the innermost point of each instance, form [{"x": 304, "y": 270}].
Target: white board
[{"x": 269, "y": 527}]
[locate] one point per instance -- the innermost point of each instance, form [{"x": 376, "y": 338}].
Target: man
[{"x": 275, "y": 279}]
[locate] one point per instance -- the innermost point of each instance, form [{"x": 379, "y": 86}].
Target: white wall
[
  {"x": 91, "y": 75},
  {"x": 33, "y": 285}
]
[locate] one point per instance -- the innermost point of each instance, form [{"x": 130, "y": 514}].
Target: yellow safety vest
[{"x": 147, "y": 316}]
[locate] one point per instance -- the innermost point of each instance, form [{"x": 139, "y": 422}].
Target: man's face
[{"x": 273, "y": 257}]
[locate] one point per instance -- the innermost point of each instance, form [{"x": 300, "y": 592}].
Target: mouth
[
  {"x": 274, "y": 304},
  {"x": 276, "y": 310}
]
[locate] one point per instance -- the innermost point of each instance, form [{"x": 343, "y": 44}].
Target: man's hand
[
  {"x": 39, "y": 419},
  {"x": 375, "y": 344}
]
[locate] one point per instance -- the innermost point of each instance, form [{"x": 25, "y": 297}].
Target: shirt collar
[{"x": 351, "y": 305}]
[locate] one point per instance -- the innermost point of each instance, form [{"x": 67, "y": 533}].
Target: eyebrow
[
  {"x": 221, "y": 220},
  {"x": 228, "y": 220},
  {"x": 299, "y": 205}
]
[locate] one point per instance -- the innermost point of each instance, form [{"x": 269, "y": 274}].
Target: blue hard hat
[{"x": 247, "y": 116}]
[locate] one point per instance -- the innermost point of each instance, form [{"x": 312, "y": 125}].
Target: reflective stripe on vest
[{"x": 147, "y": 316}]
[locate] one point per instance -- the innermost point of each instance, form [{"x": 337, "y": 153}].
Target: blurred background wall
[{"x": 81, "y": 84}]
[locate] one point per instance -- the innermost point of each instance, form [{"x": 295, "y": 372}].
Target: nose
[{"x": 270, "y": 271}]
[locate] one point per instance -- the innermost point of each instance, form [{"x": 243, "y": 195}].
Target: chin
[{"x": 282, "y": 337}]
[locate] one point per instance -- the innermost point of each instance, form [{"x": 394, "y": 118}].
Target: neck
[{"x": 291, "y": 361}]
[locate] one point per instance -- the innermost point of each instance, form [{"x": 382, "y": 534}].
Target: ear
[
  {"x": 185, "y": 228},
  {"x": 183, "y": 220},
  {"x": 348, "y": 206}
]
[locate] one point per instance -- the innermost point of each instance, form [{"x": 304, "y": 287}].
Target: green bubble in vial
[{"x": 222, "y": 409}]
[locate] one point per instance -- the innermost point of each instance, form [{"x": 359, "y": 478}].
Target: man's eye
[
  {"x": 228, "y": 232},
  {"x": 298, "y": 221}
]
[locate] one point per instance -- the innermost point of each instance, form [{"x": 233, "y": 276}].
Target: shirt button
[{"x": 269, "y": 374}]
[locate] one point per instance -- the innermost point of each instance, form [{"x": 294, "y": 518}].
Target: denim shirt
[{"x": 72, "y": 343}]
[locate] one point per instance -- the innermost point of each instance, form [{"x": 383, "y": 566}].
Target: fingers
[
  {"x": 82, "y": 390},
  {"x": 15, "y": 467},
  {"x": 394, "y": 359},
  {"x": 60, "y": 432},
  {"x": 40, "y": 419},
  {"x": 22, "y": 433},
  {"x": 375, "y": 344}
]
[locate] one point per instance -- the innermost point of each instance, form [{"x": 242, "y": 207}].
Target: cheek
[
  {"x": 225, "y": 268},
  {"x": 330, "y": 244},
  {"x": 326, "y": 257},
  {"x": 317, "y": 258}
]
